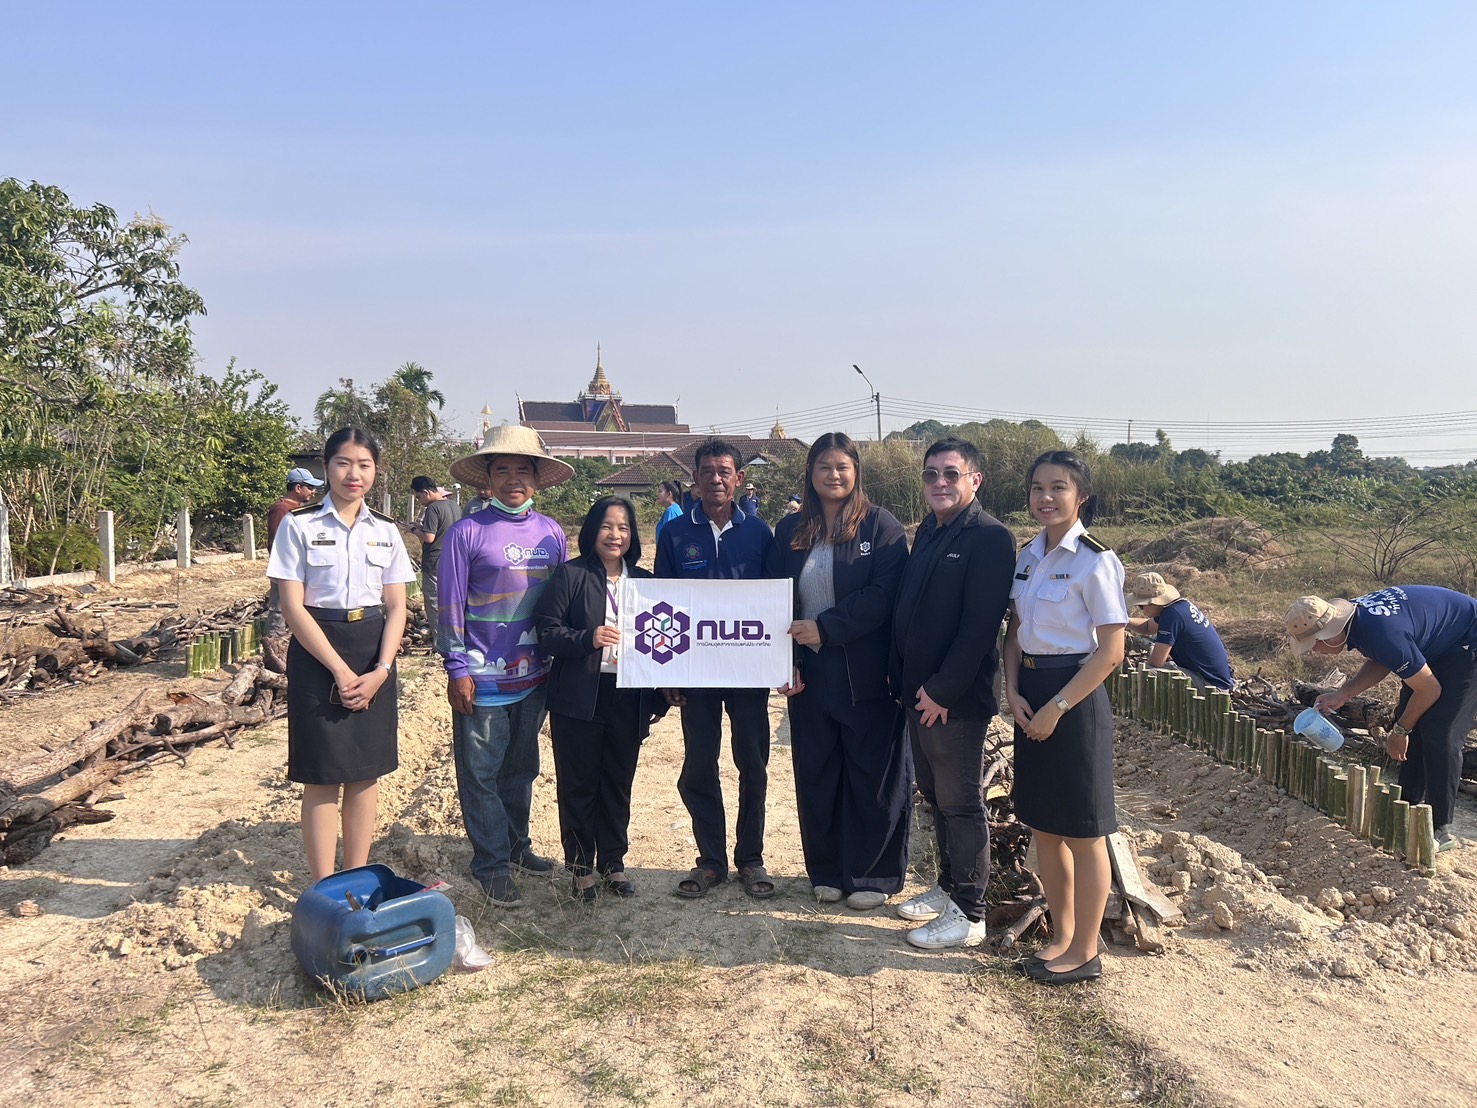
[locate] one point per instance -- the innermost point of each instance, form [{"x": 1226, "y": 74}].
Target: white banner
[{"x": 704, "y": 634}]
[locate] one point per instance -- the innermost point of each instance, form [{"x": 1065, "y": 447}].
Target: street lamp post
[{"x": 876, "y": 399}]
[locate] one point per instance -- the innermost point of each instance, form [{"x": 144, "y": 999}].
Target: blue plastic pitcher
[{"x": 1312, "y": 724}]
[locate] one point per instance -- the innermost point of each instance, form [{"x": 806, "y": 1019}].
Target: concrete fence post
[
  {"x": 182, "y": 545},
  {"x": 108, "y": 562},
  {"x": 248, "y": 537}
]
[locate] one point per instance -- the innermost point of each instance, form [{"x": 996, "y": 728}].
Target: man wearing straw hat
[
  {"x": 493, "y": 566},
  {"x": 1427, "y": 637},
  {"x": 1183, "y": 636}
]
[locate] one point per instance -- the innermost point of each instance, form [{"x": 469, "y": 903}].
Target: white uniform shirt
[
  {"x": 1063, "y": 596},
  {"x": 339, "y": 566}
]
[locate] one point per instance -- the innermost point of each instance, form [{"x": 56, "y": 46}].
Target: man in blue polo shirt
[
  {"x": 1427, "y": 637},
  {"x": 716, "y": 539},
  {"x": 1181, "y": 633}
]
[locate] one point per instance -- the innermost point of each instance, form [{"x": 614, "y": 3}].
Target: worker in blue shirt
[
  {"x": 716, "y": 539},
  {"x": 1427, "y": 637},
  {"x": 1182, "y": 634}
]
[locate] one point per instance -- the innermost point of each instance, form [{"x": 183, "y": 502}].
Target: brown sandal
[
  {"x": 756, "y": 882},
  {"x": 697, "y": 883}
]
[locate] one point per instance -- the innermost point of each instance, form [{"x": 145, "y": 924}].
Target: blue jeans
[{"x": 496, "y": 753}]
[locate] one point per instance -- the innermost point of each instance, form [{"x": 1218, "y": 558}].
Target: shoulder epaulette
[
  {"x": 381, "y": 515},
  {"x": 305, "y": 509},
  {"x": 1087, "y": 540}
]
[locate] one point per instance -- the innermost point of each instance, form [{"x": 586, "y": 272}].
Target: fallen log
[
  {"x": 241, "y": 684},
  {"x": 24, "y": 844},
  {"x": 43, "y": 766},
  {"x": 182, "y": 716}
]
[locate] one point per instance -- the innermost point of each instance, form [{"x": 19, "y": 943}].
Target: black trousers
[
  {"x": 1433, "y": 761},
  {"x": 853, "y": 780},
  {"x": 949, "y": 762},
  {"x": 594, "y": 765},
  {"x": 699, "y": 786}
]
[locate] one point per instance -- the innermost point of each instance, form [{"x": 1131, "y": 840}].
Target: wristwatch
[
  {"x": 1062, "y": 705},
  {"x": 1396, "y": 729},
  {"x": 382, "y": 665}
]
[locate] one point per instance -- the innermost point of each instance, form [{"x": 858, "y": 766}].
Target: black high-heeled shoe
[{"x": 585, "y": 894}]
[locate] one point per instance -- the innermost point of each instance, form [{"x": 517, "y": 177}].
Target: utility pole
[
  {"x": 876, "y": 399},
  {"x": 1130, "y": 432}
]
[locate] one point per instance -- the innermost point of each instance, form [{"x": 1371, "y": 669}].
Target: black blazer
[
  {"x": 569, "y": 609},
  {"x": 865, "y": 575},
  {"x": 946, "y": 627}
]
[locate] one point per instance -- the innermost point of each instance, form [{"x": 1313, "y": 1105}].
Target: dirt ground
[{"x": 160, "y": 968}]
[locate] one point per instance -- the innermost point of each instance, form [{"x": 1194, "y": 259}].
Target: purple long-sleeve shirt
[{"x": 493, "y": 567}]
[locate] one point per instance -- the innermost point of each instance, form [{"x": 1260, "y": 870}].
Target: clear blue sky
[{"x": 1251, "y": 223}]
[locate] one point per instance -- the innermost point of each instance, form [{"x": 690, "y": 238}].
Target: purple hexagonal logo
[{"x": 662, "y": 632}]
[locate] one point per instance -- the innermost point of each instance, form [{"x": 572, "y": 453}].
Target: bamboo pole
[
  {"x": 1339, "y": 810},
  {"x": 1358, "y": 782},
  {"x": 1378, "y": 811},
  {"x": 1399, "y": 828},
  {"x": 1420, "y": 841}
]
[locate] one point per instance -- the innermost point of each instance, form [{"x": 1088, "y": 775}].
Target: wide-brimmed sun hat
[
  {"x": 1151, "y": 588},
  {"x": 1311, "y": 619},
  {"x": 512, "y": 439}
]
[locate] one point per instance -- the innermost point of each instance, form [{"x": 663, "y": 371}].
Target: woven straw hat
[{"x": 512, "y": 439}]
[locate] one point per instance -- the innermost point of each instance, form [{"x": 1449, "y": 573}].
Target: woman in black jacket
[
  {"x": 852, "y": 771},
  {"x": 596, "y": 728}
]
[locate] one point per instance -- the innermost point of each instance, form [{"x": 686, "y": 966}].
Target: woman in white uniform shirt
[
  {"x": 341, "y": 570},
  {"x": 1064, "y": 637}
]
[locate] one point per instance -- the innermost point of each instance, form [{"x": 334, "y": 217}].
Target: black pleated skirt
[
  {"x": 326, "y": 743},
  {"x": 1064, "y": 786}
]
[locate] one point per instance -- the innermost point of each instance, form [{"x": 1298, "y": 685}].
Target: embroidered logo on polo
[
  {"x": 692, "y": 550},
  {"x": 865, "y": 548},
  {"x": 662, "y": 632},
  {"x": 517, "y": 555}
]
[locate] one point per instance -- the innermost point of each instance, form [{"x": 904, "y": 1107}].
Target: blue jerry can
[{"x": 372, "y": 933}]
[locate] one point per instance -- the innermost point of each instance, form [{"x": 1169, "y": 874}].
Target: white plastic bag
[{"x": 469, "y": 956}]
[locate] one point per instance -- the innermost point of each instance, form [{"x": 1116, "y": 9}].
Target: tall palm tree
[{"x": 415, "y": 378}]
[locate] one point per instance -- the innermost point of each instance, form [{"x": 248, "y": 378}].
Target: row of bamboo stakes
[
  {"x": 1349, "y": 793},
  {"x": 219, "y": 648}
]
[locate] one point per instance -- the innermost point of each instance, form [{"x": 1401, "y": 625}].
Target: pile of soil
[{"x": 1221, "y": 542}]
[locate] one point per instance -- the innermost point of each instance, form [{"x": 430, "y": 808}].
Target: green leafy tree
[{"x": 87, "y": 299}]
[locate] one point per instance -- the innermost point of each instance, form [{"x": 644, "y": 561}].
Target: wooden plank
[{"x": 1134, "y": 887}]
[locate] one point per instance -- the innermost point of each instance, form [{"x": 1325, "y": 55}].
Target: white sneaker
[
  {"x": 826, "y": 894},
  {"x": 864, "y": 900},
  {"x": 952, "y": 928},
  {"x": 924, "y": 906}
]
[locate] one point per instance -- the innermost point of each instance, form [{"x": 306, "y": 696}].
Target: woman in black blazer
[
  {"x": 596, "y": 728},
  {"x": 852, "y": 768}
]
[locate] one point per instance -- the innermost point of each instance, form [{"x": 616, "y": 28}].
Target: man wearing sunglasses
[{"x": 944, "y": 662}]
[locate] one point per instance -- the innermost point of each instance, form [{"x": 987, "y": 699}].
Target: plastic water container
[
  {"x": 1312, "y": 724},
  {"x": 372, "y": 933}
]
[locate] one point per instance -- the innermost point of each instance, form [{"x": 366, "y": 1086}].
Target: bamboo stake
[
  {"x": 1420, "y": 841},
  {"x": 1358, "y": 782},
  {"x": 1399, "y": 828},
  {"x": 1339, "y": 810},
  {"x": 1381, "y": 798}
]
